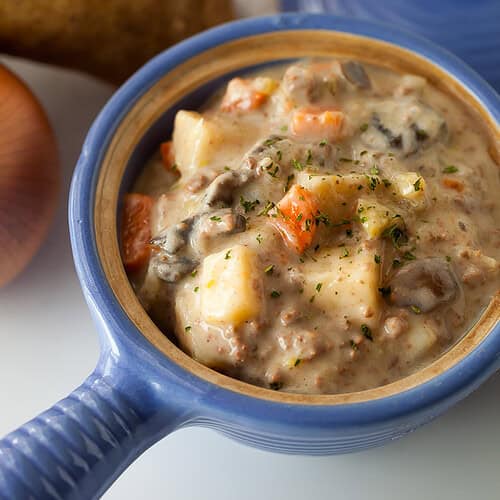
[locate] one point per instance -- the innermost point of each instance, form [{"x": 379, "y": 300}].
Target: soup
[{"x": 321, "y": 227}]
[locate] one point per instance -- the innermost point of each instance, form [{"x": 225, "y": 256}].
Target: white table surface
[{"x": 48, "y": 345}]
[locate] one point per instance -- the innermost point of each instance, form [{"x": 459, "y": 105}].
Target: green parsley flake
[
  {"x": 363, "y": 127},
  {"x": 269, "y": 269},
  {"x": 248, "y": 205},
  {"x": 377, "y": 259},
  {"x": 318, "y": 287},
  {"x": 259, "y": 238},
  {"x": 417, "y": 185},
  {"x": 416, "y": 309},
  {"x": 365, "y": 330},
  {"x": 354, "y": 346},
  {"x": 275, "y": 294},
  {"x": 228, "y": 255},
  {"x": 297, "y": 362},
  {"x": 215, "y": 218},
  {"x": 450, "y": 169},
  {"x": 297, "y": 165},
  {"x": 187, "y": 329}
]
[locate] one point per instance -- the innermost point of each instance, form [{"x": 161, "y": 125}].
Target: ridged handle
[{"x": 75, "y": 449}]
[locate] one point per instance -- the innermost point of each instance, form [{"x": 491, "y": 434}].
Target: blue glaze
[
  {"x": 136, "y": 395},
  {"x": 468, "y": 28}
]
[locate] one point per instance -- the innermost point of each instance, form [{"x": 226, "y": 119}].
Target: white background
[{"x": 48, "y": 345}]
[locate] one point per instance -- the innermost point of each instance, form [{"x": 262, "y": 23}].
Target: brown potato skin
[{"x": 110, "y": 39}]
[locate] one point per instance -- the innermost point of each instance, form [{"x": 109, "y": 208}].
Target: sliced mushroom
[
  {"x": 171, "y": 268},
  {"x": 172, "y": 239},
  {"x": 424, "y": 284},
  {"x": 356, "y": 74}
]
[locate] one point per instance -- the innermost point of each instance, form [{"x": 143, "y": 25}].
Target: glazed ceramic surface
[{"x": 143, "y": 386}]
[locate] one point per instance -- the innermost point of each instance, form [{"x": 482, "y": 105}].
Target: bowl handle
[{"x": 77, "y": 448}]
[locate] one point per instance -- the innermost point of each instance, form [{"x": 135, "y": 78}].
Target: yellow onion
[{"x": 29, "y": 175}]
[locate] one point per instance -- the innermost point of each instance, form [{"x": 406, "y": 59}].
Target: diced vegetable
[
  {"x": 412, "y": 187},
  {"x": 296, "y": 217},
  {"x": 136, "y": 230},
  {"x": 195, "y": 140},
  {"x": 350, "y": 279},
  {"x": 167, "y": 154},
  {"x": 418, "y": 340},
  {"x": 247, "y": 94},
  {"x": 230, "y": 286},
  {"x": 374, "y": 217},
  {"x": 335, "y": 194},
  {"x": 453, "y": 184},
  {"x": 313, "y": 124}
]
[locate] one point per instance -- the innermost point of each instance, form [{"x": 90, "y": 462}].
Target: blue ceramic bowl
[{"x": 144, "y": 387}]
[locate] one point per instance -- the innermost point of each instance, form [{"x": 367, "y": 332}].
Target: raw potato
[
  {"x": 195, "y": 141},
  {"x": 109, "y": 39},
  {"x": 230, "y": 289},
  {"x": 348, "y": 283},
  {"x": 335, "y": 194},
  {"x": 374, "y": 217}
]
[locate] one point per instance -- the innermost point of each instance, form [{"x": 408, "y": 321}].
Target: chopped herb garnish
[
  {"x": 363, "y": 152},
  {"x": 248, "y": 205},
  {"x": 348, "y": 233},
  {"x": 409, "y": 256},
  {"x": 297, "y": 165},
  {"x": 415, "y": 309},
  {"x": 279, "y": 155},
  {"x": 271, "y": 141},
  {"x": 377, "y": 259},
  {"x": 322, "y": 218},
  {"x": 373, "y": 182},
  {"x": 289, "y": 180},
  {"x": 215, "y": 218},
  {"x": 396, "y": 263},
  {"x": 421, "y": 134},
  {"x": 309, "y": 157},
  {"x": 385, "y": 291},
  {"x": 397, "y": 234},
  {"x": 386, "y": 182},
  {"x": 354, "y": 346},
  {"x": 345, "y": 253},
  {"x": 269, "y": 269},
  {"x": 259, "y": 238},
  {"x": 226, "y": 168},
  {"x": 323, "y": 143},
  {"x": 276, "y": 386},
  {"x": 194, "y": 273},
  {"x": 365, "y": 330},
  {"x": 308, "y": 224},
  {"x": 311, "y": 300},
  {"x": 274, "y": 171},
  {"x": 187, "y": 329},
  {"x": 448, "y": 258},
  {"x": 269, "y": 206},
  {"x": 450, "y": 169},
  {"x": 297, "y": 362},
  {"x": 363, "y": 127},
  {"x": 318, "y": 287},
  {"x": 275, "y": 294},
  {"x": 417, "y": 185},
  {"x": 299, "y": 217},
  {"x": 228, "y": 255},
  {"x": 345, "y": 159},
  {"x": 196, "y": 289},
  {"x": 284, "y": 128},
  {"x": 360, "y": 187},
  {"x": 374, "y": 170}
]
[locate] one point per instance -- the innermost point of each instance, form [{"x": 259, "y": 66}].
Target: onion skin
[{"x": 29, "y": 175}]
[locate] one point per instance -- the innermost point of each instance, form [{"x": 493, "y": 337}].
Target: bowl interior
[{"x": 188, "y": 85}]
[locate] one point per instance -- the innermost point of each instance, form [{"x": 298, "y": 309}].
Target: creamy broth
[{"x": 320, "y": 227}]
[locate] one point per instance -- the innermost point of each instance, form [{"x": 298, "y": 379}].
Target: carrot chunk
[
  {"x": 453, "y": 184},
  {"x": 136, "y": 230},
  {"x": 241, "y": 95},
  {"x": 316, "y": 123},
  {"x": 296, "y": 218},
  {"x": 167, "y": 154}
]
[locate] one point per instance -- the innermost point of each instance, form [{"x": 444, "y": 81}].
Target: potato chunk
[
  {"x": 374, "y": 217},
  {"x": 419, "y": 339},
  {"x": 348, "y": 280},
  {"x": 336, "y": 194},
  {"x": 411, "y": 186},
  {"x": 195, "y": 140},
  {"x": 230, "y": 287}
]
